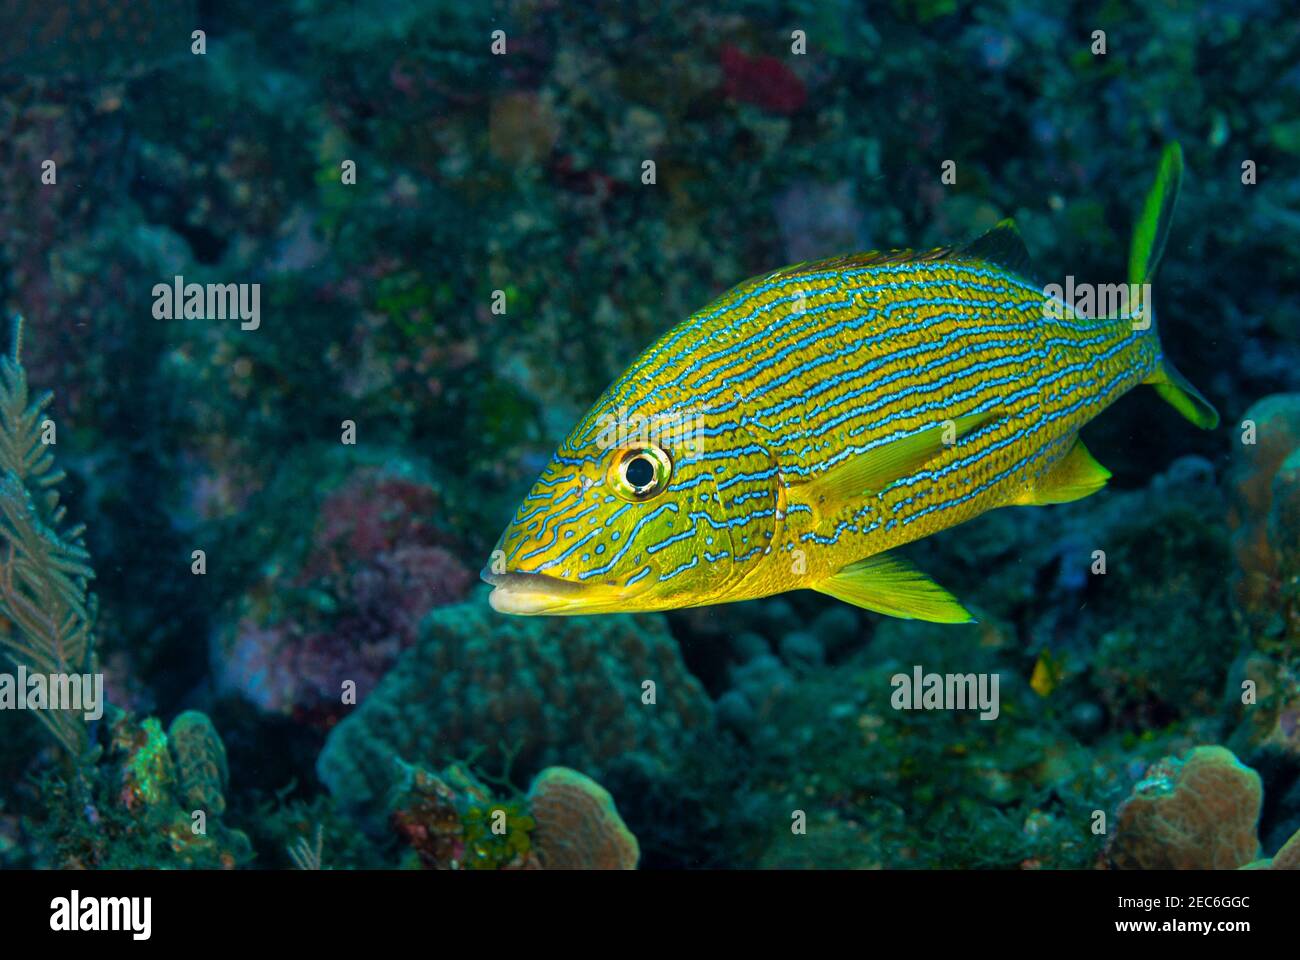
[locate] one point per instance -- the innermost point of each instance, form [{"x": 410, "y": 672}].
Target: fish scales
[
  {"x": 829, "y": 363},
  {"x": 812, "y": 398},
  {"x": 870, "y": 354}
]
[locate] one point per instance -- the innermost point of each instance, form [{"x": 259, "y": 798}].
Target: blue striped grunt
[{"x": 796, "y": 431}]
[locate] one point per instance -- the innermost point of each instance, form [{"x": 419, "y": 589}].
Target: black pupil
[{"x": 640, "y": 472}]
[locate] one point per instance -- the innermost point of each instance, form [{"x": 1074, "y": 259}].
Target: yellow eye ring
[{"x": 637, "y": 474}]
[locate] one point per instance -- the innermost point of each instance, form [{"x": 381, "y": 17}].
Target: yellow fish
[{"x": 794, "y": 432}]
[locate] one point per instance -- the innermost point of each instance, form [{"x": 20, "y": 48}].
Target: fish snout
[
  {"x": 532, "y": 594},
  {"x": 529, "y": 594}
]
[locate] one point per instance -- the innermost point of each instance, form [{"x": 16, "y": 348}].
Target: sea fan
[{"x": 44, "y": 570}]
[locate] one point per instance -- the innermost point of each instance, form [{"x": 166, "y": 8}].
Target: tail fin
[{"x": 1149, "y": 236}]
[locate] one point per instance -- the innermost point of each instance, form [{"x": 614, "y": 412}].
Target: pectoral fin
[
  {"x": 1073, "y": 477},
  {"x": 848, "y": 483},
  {"x": 893, "y": 586}
]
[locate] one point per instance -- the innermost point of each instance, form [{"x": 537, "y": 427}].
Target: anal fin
[
  {"x": 893, "y": 586},
  {"x": 1073, "y": 477}
]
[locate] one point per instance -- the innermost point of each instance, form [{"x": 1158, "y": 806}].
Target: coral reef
[
  {"x": 44, "y": 566},
  {"x": 133, "y": 806},
  {"x": 343, "y": 596},
  {"x": 1287, "y": 858},
  {"x": 1197, "y": 813},
  {"x": 451, "y": 821},
  {"x": 894, "y": 788},
  {"x": 577, "y": 824},
  {"x": 425, "y": 812},
  {"x": 1166, "y": 565},
  {"x": 829, "y": 844},
  {"x": 201, "y": 770},
  {"x": 566, "y": 821},
  {"x": 545, "y": 690},
  {"x": 283, "y": 831},
  {"x": 496, "y": 261},
  {"x": 1268, "y": 704},
  {"x": 1264, "y": 516}
]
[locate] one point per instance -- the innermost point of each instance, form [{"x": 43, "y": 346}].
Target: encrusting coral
[
  {"x": 44, "y": 566},
  {"x": 1198, "y": 813}
]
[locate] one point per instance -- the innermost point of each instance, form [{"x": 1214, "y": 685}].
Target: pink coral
[
  {"x": 373, "y": 570},
  {"x": 764, "y": 81}
]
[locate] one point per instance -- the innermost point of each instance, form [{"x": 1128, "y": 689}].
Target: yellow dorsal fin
[
  {"x": 848, "y": 483},
  {"x": 1073, "y": 477},
  {"x": 890, "y": 585}
]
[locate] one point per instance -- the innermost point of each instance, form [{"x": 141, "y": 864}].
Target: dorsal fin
[
  {"x": 848, "y": 261},
  {"x": 1002, "y": 246}
]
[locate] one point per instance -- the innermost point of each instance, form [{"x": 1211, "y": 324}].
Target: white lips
[
  {"x": 523, "y": 603},
  {"x": 534, "y": 594}
]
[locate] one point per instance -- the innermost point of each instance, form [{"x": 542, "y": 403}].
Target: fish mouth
[{"x": 537, "y": 594}]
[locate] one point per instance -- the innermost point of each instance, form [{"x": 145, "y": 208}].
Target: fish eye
[{"x": 640, "y": 473}]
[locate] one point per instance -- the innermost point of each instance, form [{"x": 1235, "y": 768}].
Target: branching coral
[{"x": 44, "y": 566}]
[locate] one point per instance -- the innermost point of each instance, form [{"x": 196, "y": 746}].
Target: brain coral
[
  {"x": 577, "y": 824},
  {"x": 1288, "y": 858},
  {"x": 1198, "y": 813},
  {"x": 200, "y": 761},
  {"x": 546, "y": 690}
]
